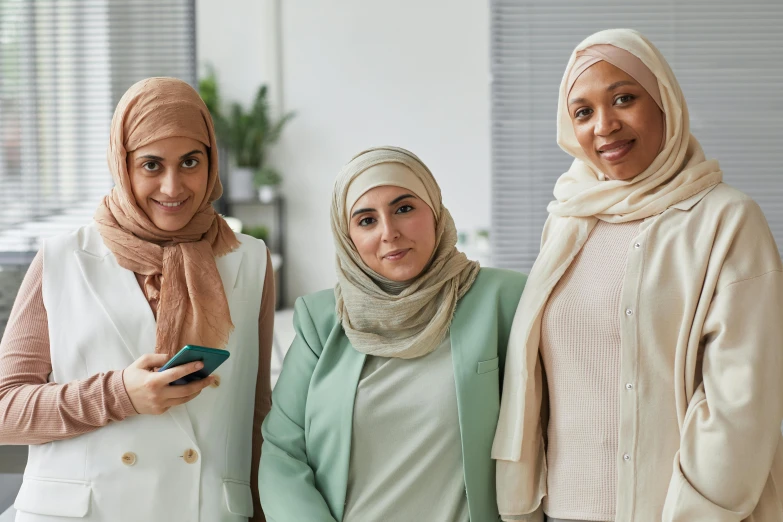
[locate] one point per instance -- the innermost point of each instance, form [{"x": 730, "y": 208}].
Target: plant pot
[
  {"x": 241, "y": 186},
  {"x": 267, "y": 193}
]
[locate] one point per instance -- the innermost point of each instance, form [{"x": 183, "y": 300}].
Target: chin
[
  {"x": 622, "y": 174},
  {"x": 169, "y": 225},
  {"x": 403, "y": 274}
]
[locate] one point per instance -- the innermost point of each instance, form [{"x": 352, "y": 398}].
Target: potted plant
[
  {"x": 248, "y": 136},
  {"x": 267, "y": 181},
  {"x": 258, "y": 232},
  {"x": 210, "y": 93}
]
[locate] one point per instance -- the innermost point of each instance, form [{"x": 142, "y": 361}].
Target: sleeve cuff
[{"x": 117, "y": 388}]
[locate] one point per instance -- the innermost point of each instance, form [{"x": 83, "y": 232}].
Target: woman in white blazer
[{"x": 103, "y": 307}]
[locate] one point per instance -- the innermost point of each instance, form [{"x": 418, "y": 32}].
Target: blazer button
[
  {"x": 129, "y": 458},
  {"x": 190, "y": 456},
  {"x": 217, "y": 381}
]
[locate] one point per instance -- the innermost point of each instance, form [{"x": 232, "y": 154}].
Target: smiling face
[
  {"x": 393, "y": 231},
  {"x": 616, "y": 121},
  {"x": 169, "y": 180}
]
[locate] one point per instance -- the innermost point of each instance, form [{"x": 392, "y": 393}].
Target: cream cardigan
[{"x": 701, "y": 372}]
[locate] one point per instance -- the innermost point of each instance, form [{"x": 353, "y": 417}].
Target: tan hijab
[
  {"x": 383, "y": 317},
  {"x": 583, "y": 196},
  {"x": 179, "y": 267}
]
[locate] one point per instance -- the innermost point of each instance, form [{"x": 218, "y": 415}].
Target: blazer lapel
[
  {"x": 471, "y": 333},
  {"x": 335, "y": 391},
  {"x": 228, "y": 267},
  {"x": 461, "y": 341},
  {"x": 119, "y": 294}
]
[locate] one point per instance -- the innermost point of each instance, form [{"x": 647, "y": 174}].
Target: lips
[
  {"x": 396, "y": 255},
  {"x": 170, "y": 206},
  {"x": 616, "y": 150}
]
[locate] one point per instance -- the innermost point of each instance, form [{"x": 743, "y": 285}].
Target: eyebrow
[
  {"x": 612, "y": 87},
  {"x": 158, "y": 158},
  {"x": 391, "y": 204},
  {"x": 191, "y": 153}
]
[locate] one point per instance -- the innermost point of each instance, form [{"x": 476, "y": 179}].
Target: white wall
[
  {"x": 230, "y": 36},
  {"x": 361, "y": 73},
  {"x": 370, "y": 72}
]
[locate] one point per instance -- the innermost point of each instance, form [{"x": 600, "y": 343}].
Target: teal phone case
[{"x": 211, "y": 357}]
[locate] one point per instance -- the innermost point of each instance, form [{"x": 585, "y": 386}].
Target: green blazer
[{"x": 307, "y": 435}]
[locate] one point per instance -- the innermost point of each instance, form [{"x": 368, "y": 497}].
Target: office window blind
[{"x": 64, "y": 64}]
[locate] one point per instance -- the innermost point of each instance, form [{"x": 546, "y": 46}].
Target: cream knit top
[{"x": 580, "y": 350}]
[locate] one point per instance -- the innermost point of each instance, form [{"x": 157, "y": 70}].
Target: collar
[{"x": 689, "y": 203}]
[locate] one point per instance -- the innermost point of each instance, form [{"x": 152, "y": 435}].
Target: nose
[
  {"x": 390, "y": 230},
  {"x": 171, "y": 183},
  {"x": 606, "y": 123}
]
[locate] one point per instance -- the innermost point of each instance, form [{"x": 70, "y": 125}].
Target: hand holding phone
[
  {"x": 211, "y": 357},
  {"x": 150, "y": 391}
]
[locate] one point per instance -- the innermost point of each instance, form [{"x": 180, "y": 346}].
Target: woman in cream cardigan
[
  {"x": 644, "y": 377},
  {"x": 388, "y": 398}
]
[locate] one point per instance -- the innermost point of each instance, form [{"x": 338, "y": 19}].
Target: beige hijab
[
  {"x": 583, "y": 196},
  {"x": 179, "y": 267},
  {"x": 382, "y": 317}
]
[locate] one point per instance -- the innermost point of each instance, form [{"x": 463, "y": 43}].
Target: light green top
[
  {"x": 406, "y": 452},
  {"x": 307, "y": 435}
]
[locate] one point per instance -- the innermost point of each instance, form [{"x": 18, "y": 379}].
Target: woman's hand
[{"x": 149, "y": 391}]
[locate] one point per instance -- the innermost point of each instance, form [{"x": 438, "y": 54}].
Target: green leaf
[
  {"x": 267, "y": 176},
  {"x": 247, "y": 135}
]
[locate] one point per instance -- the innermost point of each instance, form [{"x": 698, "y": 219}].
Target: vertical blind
[
  {"x": 64, "y": 64},
  {"x": 728, "y": 58}
]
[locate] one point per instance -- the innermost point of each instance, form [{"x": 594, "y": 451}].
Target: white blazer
[{"x": 189, "y": 464}]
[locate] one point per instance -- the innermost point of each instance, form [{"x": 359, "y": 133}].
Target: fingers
[
  {"x": 181, "y": 400},
  {"x": 184, "y": 390},
  {"x": 178, "y": 372},
  {"x": 150, "y": 360}
]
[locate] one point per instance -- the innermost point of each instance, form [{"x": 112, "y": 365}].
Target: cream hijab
[
  {"x": 583, "y": 196},
  {"x": 383, "y": 317},
  {"x": 179, "y": 267}
]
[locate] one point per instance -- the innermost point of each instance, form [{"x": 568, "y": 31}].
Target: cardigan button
[
  {"x": 628, "y": 312},
  {"x": 638, "y": 246},
  {"x": 626, "y": 457},
  {"x": 190, "y": 456},
  {"x": 129, "y": 458}
]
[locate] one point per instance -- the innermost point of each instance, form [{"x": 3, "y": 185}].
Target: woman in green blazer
[{"x": 386, "y": 406}]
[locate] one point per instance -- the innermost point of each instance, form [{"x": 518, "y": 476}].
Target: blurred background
[{"x": 469, "y": 86}]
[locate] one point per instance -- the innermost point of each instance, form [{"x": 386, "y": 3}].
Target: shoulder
[
  {"x": 740, "y": 240},
  {"x": 498, "y": 280},
  {"x": 495, "y": 290},
  {"x": 320, "y": 302},
  {"x": 252, "y": 246},
  {"x": 317, "y": 310},
  {"x": 727, "y": 214},
  {"x": 725, "y": 200},
  {"x": 86, "y": 238}
]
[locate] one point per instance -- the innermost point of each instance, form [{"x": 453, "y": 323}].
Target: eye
[
  {"x": 190, "y": 163},
  {"x": 151, "y": 166},
  {"x": 404, "y": 209},
  {"x": 583, "y": 113},
  {"x": 624, "y": 99},
  {"x": 364, "y": 222}
]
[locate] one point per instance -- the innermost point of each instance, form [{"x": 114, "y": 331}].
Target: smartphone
[{"x": 211, "y": 357}]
